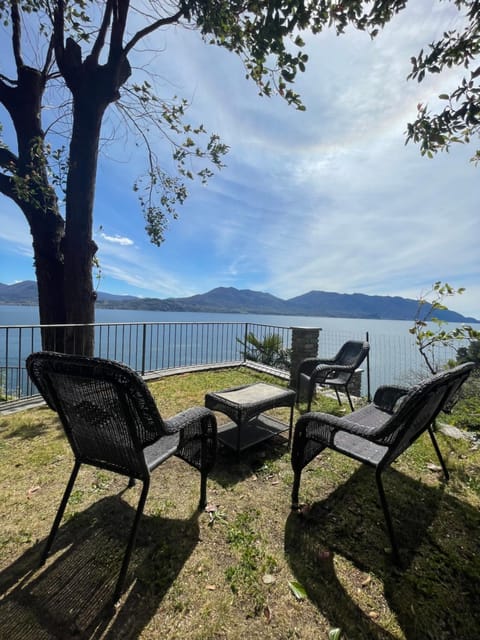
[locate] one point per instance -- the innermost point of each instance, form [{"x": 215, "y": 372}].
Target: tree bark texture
[
  {"x": 31, "y": 191},
  {"x": 79, "y": 248}
]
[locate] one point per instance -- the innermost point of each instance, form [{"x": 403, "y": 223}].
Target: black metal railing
[
  {"x": 145, "y": 346},
  {"x": 148, "y": 347}
]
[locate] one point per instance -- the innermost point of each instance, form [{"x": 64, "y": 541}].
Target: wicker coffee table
[{"x": 244, "y": 405}]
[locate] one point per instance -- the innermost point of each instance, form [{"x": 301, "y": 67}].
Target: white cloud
[
  {"x": 125, "y": 242},
  {"x": 330, "y": 198}
]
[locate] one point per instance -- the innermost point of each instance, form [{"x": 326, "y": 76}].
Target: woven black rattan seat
[
  {"x": 112, "y": 422},
  {"x": 378, "y": 433},
  {"x": 336, "y": 372}
]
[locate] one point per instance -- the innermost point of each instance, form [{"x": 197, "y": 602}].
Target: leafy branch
[
  {"x": 428, "y": 337},
  {"x": 158, "y": 192}
]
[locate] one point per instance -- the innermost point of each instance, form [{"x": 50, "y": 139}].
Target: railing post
[
  {"x": 144, "y": 347},
  {"x": 6, "y": 362},
  {"x": 304, "y": 345},
  {"x": 369, "y": 394},
  {"x": 245, "y": 342}
]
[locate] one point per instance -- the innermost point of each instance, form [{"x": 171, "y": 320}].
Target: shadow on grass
[
  {"x": 71, "y": 596},
  {"x": 30, "y": 428},
  {"x": 29, "y": 431},
  {"x": 230, "y": 470},
  {"x": 434, "y": 595}
]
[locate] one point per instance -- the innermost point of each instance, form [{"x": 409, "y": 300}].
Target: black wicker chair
[
  {"x": 112, "y": 422},
  {"x": 336, "y": 372},
  {"x": 378, "y": 433}
]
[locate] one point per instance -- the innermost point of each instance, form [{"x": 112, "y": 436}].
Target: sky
[{"x": 328, "y": 199}]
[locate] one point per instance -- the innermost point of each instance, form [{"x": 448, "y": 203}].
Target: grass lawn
[{"x": 230, "y": 572}]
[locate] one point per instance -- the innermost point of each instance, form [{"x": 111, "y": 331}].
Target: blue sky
[{"x": 328, "y": 199}]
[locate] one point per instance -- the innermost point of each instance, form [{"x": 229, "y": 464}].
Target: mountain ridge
[{"x": 232, "y": 300}]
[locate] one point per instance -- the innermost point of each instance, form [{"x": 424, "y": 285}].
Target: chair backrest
[
  {"x": 352, "y": 353},
  {"x": 106, "y": 409},
  {"x": 418, "y": 409}
]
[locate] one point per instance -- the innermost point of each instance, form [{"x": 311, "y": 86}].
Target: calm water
[
  {"x": 20, "y": 315},
  {"x": 394, "y": 358}
]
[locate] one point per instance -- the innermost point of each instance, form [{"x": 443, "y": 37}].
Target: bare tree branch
[
  {"x": 151, "y": 28},
  {"x": 6, "y": 187},
  {"x": 4, "y": 79},
  {"x": 58, "y": 34},
  {"x": 49, "y": 57},
  {"x": 16, "y": 34},
  {"x": 137, "y": 125},
  {"x": 100, "y": 41},
  {"x": 7, "y": 158},
  {"x": 119, "y": 22}
]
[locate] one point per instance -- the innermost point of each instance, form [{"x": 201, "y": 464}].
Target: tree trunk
[
  {"x": 63, "y": 251},
  {"x": 49, "y": 268},
  {"x": 79, "y": 247},
  {"x": 38, "y": 201}
]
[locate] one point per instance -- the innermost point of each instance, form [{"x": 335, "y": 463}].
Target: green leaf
[
  {"x": 335, "y": 634},
  {"x": 298, "y": 590},
  {"x": 444, "y": 96}
]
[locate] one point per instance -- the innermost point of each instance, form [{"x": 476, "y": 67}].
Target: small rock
[{"x": 452, "y": 432}]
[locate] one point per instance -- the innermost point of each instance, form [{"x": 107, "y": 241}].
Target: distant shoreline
[
  {"x": 241, "y": 314},
  {"x": 313, "y": 304}
]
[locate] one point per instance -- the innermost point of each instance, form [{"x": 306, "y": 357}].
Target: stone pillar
[
  {"x": 355, "y": 386},
  {"x": 304, "y": 345}
]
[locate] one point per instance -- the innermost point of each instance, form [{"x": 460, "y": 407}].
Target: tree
[
  {"x": 84, "y": 50},
  {"x": 430, "y": 332},
  {"x": 79, "y": 63},
  {"x": 459, "y": 121}
]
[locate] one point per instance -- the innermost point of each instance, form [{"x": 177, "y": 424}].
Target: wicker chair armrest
[
  {"x": 198, "y": 436},
  {"x": 322, "y": 371},
  {"x": 323, "y": 426},
  {"x": 314, "y": 431},
  {"x": 317, "y": 425},
  {"x": 387, "y": 396},
  {"x": 182, "y": 419},
  {"x": 308, "y": 365}
]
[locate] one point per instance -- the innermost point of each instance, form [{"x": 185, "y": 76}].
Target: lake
[
  {"x": 394, "y": 357},
  {"x": 23, "y": 315}
]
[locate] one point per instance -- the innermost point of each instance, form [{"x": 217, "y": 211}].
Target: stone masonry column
[{"x": 304, "y": 345}]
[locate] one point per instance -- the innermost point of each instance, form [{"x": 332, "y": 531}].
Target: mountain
[
  {"x": 19, "y": 293},
  {"x": 231, "y": 300},
  {"x": 358, "y": 305}
]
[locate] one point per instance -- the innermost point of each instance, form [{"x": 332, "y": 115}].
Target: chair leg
[
  {"x": 296, "y": 488},
  {"x": 203, "y": 491},
  {"x": 131, "y": 541},
  {"x": 290, "y": 428},
  {"x": 387, "y": 516},
  {"x": 338, "y": 395},
  {"x": 60, "y": 512},
  {"x": 312, "y": 388},
  {"x": 438, "y": 452},
  {"x": 310, "y": 394},
  {"x": 349, "y": 398}
]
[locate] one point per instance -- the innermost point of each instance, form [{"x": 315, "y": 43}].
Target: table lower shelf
[{"x": 256, "y": 430}]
